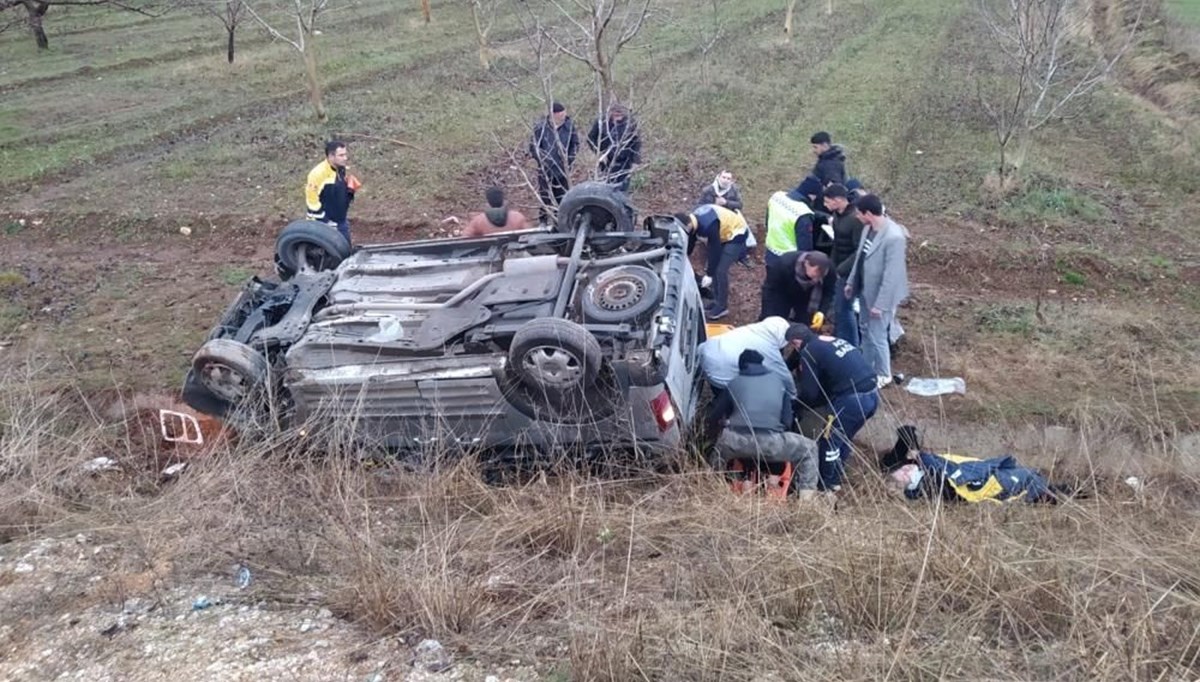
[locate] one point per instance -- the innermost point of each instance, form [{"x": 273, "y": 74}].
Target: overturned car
[{"x": 585, "y": 335}]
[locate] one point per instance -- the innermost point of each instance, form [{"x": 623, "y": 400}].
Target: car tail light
[{"x": 664, "y": 411}]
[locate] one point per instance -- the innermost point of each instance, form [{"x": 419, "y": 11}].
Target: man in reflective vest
[{"x": 789, "y": 224}]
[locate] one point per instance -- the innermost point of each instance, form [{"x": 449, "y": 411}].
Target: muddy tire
[
  {"x": 607, "y": 208},
  {"x": 622, "y": 294},
  {"x": 555, "y": 358},
  {"x": 309, "y": 245},
  {"x": 229, "y": 370}
]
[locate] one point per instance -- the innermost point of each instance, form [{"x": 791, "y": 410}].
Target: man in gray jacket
[
  {"x": 757, "y": 412},
  {"x": 880, "y": 278}
]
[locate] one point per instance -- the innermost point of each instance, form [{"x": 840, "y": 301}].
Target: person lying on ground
[
  {"x": 835, "y": 380},
  {"x": 496, "y": 218},
  {"x": 959, "y": 478},
  {"x": 726, "y": 233},
  {"x": 719, "y": 355},
  {"x": 755, "y": 410},
  {"x": 797, "y": 286}
]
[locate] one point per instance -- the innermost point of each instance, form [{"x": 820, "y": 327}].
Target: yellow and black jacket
[{"x": 327, "y": 194}]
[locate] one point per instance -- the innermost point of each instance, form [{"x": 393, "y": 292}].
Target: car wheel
[
  {"x": 555, "y": 357},
  {"x": 229, "y": 370},
  {"x": 607, "y": 208},
  {"x": 622, "y": 294},
  {"x": 309, "y": 246}
]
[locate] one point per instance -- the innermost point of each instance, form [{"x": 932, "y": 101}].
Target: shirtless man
[{"x": 498, "y": 217}]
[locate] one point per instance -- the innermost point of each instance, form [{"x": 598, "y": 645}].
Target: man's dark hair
[
  {"x": 836, "y": 191},
  {"x": 749, "y": 357},
  {"x": 495, "y": 197},
  {"x": 817, "y": 258},
  {"x": 684, "y": 219},
  {"x": 332, "y": 146},
  {"x": 869, "y": 204},
  {"x": 821, "y": 137},
  {"x": 557, "y": 107},
  {"x": 798, "y": 331}
]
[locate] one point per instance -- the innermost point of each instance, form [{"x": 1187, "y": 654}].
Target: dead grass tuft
[{"x": 643, "y": 576}]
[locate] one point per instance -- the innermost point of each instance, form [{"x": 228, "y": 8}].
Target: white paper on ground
[{"x": 932, "y": 387}]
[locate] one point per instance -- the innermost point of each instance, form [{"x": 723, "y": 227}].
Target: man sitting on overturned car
[{"x": 757, "y": 412}]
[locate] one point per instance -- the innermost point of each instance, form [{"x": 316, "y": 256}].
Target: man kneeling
[{"x": 756, "y": 407}]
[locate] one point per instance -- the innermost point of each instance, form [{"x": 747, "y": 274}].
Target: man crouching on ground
[{"x": 757, "y": 410}]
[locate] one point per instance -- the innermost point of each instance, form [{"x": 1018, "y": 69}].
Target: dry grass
[{"x": 649, "y": 576}]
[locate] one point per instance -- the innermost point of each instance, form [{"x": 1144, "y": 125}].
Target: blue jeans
[
  {"x": 343, "y": 228},
  {"x": 844, "y": 320},
  {"x": 851, "y": 412}
]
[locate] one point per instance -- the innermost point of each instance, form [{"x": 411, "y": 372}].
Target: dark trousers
[
  {"x": 850, "y": 412},
  {"x": 845, "y": 320},
  {"x": 721, "y": 257},
  {"x": 344, "y": 229},
  {"x": 551, "y": 188}
]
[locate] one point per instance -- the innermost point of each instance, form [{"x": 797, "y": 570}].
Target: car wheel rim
[
  {"x": 224, "y": 381},
  {"x": 552, "y": 366},
  {"x": 620, "y": 293}
]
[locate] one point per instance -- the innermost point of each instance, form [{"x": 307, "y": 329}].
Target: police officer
[
  {"x": 836, "y": 379},
  {"x": 789, "y": 224}
]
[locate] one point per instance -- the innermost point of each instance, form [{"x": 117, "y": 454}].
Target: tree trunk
[
  {"x": 426, "y": 11},
  {"x": 37, "y": 10},
  {"x": 481, "y": 37},
  {"x": 314, "y": 82},
  {"x": 787, "y": 18},
  {"x": 229, "y": 44}
]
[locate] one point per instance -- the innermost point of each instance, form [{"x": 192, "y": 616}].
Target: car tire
[
  {"x": 556, "y": 358},
  {"x": 608, "y": 208},
  {"x": 231, "y": 371},
  {"x": 326, "y": 248},
  {"x": 622, "y": 294}
]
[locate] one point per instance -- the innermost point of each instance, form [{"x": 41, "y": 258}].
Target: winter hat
[
  {"x": 810, "y": 186},
  {"x": 799, "y": 331}
]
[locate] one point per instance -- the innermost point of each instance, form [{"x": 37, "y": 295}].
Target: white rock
[
  {"x": 306, "y": 625},
  {"x": 23, "y": 568}
]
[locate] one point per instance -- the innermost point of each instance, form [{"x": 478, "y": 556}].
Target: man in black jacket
[
  {"x": 799, "y": 284},
  {"x": 831, "y": 160},
  {"x": 618, "y": 143},
  {"x": 836, "y": 380},
  {"x": 756, "y": 409},
  {"x": 553, "y": 146},
  {"x": 847, "y": 231}
]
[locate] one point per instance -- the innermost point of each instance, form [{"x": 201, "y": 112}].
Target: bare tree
[
  {"x": 711, "y": 32},
  {"x": 305, "y": 14},
  {"x": 426, "y": 11},
  {"x": 787, "y": 18},
  {"x": 1045, "y": 69},
  {"x": 230, "y": 13},
  {"x": 483, "y": 12},
  {"x": 35, "y": 11},
  {"x": 595, "y": 32}
]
